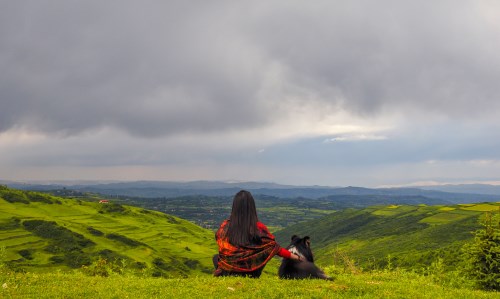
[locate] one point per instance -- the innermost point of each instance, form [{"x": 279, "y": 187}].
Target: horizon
[
  {"x": 69, "y": 182},
  {"x": 328, "y": 93}
]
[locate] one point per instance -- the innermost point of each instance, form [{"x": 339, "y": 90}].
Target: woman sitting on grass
[{"x": 245, "y": 244}]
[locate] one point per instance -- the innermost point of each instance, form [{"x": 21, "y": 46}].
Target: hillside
[
  {"x": 413, "y": 236},
  {"x": 42, "y": 232}
]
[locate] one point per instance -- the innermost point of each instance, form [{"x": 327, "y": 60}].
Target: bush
[
  {"x": 37, "y": 197},
  {"x": 26, "y": 253},
  {"x": 13, "y": 223},
  {"x": 192, "y": 264},
  {"x": 76, "y": 259},
  {"x": 124, "y": 240},
  {"x": 94, "y": 231},
  {"x": 56, "y": 259},
  {"x": 482, "y": 255},
  {"x": 15, "y": 196},
  {"x": 111, "y": 208},
  {"x": 111, "y": 255},
  {"x": 62, "y": 240}
]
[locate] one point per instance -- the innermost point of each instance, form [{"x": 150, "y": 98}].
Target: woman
[{"x": 245, "y": 244}]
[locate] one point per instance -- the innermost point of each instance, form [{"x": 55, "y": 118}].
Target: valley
[{"x": 173, "y": 237}]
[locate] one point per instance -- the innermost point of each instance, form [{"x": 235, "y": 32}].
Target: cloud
[
  {"x": 149, "y": 69},
  {"x": 361, "y": 137},
  {"x": 369, "y": 57},
  {"x": 153, "y": 69},
  {"x": 332, "y": 90}
]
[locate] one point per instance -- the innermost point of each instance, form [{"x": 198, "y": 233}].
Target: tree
[{"x": 482, "y": 255}]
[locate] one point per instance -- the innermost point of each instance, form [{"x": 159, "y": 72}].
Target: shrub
[
  {"x": 111, "y": 208},
  {"x": 57, "y": 259},
  {"x": 98, "y": 268},
  {"x": 76, "y": 259},
  {"x": 61, "y": 239},
  {"x": 192, "y": 264},
  {"x": 15, "y": 196},
  {"x": 111, "y": 255},
  {"x": 37, "y": 197},
  {"x": 26, "y": 253},
  {"x": 124, "y": 240},
  {"x": 482, "y": 255},
  {"x": 13, "y": 223},
  {"x": 94, "y": 231}
]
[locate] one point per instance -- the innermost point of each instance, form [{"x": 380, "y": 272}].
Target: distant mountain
[
  {"x": 466, "y": 188},
  {"x": 160, "y": 189}
]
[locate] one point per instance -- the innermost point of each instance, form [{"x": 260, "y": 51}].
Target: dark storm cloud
[
  {"x": 149, "y": 68},
  {"x": 157, "y": 68},
  {"x": 435, "y": 56}
]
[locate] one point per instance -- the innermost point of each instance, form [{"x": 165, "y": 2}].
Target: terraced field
[
  {"x": 407, "y": 236},
  {"x": 166, "y": 245}
]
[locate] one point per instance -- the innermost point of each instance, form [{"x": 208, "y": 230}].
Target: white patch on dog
[{"x": 295, "y": 251}]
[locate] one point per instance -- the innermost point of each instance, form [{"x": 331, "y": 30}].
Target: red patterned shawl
[{"x": 244, "y": 258}]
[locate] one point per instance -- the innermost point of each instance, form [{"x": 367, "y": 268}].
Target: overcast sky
[{"x": 365, "y": 93}]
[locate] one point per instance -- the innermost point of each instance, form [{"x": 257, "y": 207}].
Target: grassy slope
[
  {"x": 373, "y": 285},
  {"x": 171, "y": 239},
  {"x": 414, "y": 236}
]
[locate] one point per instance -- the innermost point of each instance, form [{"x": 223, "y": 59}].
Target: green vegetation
[
  {"x": 210, "y": 211},
  {"x": 276, "y": 212},
  {"x": 482, "y": 255},
  {"x": 412, "y": 237},
  {"x": 379, "y": 284},
  {"x": 41, "y": 233},
  {"x": 55, "y": 247}
]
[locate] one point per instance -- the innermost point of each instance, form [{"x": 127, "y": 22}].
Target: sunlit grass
[
  {"x": 166, "y": 238},
  {"x": 443, "y": 218},
  {"x": 382, "y": 284},
  {"x": 482, "y": 207}
]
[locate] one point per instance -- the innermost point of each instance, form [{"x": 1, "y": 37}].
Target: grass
[
  {"x": 411, "y": 235},
  {"x": 415, "y": 236},
  {"x": 129, "y": 232},
  {"x": 443, "y": 218},
  {"x": 382, "y": 284},
  {"x": 447, "y": 209},
  {"x": 482, "y": 207}
]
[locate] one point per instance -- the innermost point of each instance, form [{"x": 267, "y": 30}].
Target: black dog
[{"x": 306, "y": 268}]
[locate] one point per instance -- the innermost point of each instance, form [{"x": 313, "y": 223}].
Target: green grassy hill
[
  {"x": 382, "y": 284},
  {"x": 413, "y": 236},
  {"x": 41, "y": 232}
]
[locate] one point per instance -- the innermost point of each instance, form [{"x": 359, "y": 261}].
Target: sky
[{"x": 336, "y": 93}]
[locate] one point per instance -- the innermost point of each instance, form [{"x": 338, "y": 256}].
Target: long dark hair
[{"x": 242, "y": 227}]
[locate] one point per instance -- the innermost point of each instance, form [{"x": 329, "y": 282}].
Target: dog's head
[{"x": 302, "y": 247}]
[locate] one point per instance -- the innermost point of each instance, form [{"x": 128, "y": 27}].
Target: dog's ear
[
  {"x": 307, "y": 241},
  {"x": 295, "y": 237}
]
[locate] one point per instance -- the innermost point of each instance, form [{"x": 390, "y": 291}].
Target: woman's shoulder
[{"x": 261, "y": 225}]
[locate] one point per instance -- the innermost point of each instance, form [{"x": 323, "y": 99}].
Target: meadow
[
  {"x": 409, "y": 236},
  {"x": 52, "y": 247},
  {"x": 42, "y": 232},
  {"x": 378, "y": 284}
]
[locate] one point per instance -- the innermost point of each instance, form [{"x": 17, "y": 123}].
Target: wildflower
[{"x": 4, "y": 285}]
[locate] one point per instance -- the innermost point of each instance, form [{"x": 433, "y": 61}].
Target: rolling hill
[
  {"x": 413, "y": 236},
  {"x": 42, "y": 232},
  {"x": 165, "y": 189}
]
